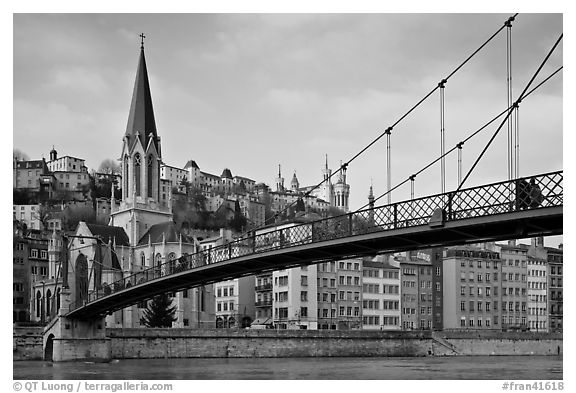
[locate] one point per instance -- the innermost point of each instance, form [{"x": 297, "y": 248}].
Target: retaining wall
[
  {"x": 188, "y": 343},
  {"x": 27, "y": 343}
]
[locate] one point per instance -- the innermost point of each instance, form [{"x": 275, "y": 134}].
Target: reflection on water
[{"x": 458, "y": 367}]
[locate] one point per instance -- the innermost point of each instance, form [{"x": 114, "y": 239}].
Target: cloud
[
  {"x": 294, "y": 102},
  {"x": 81, "y": 79}
]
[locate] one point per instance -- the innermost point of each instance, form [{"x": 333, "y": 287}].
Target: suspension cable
[
  {"x": 509, "y": 98},
  {"x": 469, "y": 137},
  {"x": 345, "y": 165},
  {"x": 388, "y": 165},
  {"x": 441, "y": 85},
  {"x": 520, "y": 98}
]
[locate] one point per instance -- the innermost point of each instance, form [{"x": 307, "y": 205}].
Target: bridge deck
[{"x": 544, "y": 221}]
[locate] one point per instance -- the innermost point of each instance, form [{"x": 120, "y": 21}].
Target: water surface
[{"x": 457, "y": 367}]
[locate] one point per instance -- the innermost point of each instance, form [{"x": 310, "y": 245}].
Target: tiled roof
[
  {"x": 108, "y": 232},
  {"x": 164, "y": 230},
  {"x": 226, "y": 174},
  {"x": 191, "y": 164}
]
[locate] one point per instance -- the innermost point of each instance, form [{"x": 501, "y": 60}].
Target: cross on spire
[{"x": 142, "y": 36}]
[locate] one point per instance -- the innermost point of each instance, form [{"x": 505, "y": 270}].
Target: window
[
  {"x": 34, "y": 253},
  {"x": 304, "y": 296},
  {"x": 304, "y": 312},
  {"x": 304, "y": 281},
  {"x": 231, "y": 291}
]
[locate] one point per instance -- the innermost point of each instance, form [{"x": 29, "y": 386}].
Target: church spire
[{"x": 141, "y": 120}]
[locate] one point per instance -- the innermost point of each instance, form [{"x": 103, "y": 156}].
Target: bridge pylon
[{"x": 68, "y": 339}]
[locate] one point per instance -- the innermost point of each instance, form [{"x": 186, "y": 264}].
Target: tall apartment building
[
  {"x": 416, "y": 291},
  {"x": 264, "y": 296},
  {"x": 514, "y": 285},
  {"x": 327, "y": 295},
  {"x": 20, "y": 278},
  {"x": 555, "y": 259},
  {"x": 294, "y": 301},
  {"x": 380, "y": 293},
  {"x": 235, "y": 302},
  {"x": 349, "y": 294},
  {"x": 471, "y": 288}
]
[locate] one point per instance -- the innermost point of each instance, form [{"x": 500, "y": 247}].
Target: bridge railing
[{"x": 529, "y": 193}]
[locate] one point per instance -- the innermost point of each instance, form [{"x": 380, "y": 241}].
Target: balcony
[
  {"x": 264, "y": 303},
  {"x": 264, "y": 287}
]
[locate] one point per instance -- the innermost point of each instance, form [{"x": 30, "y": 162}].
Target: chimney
[{"x": 512, "y": 243}]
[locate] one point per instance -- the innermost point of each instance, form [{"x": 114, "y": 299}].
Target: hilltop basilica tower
[{"x": 142, "y": 205}]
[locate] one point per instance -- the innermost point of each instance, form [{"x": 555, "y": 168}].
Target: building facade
[
  {"x": 380, "y": 293},
  {"x": 514, "y": 286},
  {"x": 472, "y": 290},
  {"x": 294, "y": 302},
  {"x": 555, "y": 259}
]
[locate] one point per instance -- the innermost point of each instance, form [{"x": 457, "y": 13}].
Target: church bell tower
[{"x": 141, "y": 158}]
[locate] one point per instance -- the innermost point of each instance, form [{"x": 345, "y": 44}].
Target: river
[{"x": 457, "y": 367}]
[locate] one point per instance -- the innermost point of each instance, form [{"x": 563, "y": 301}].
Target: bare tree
[
  {"x": 43, "y": 214},
  {"x": 19, "y": 155},
  {"x": 109, "y": 166}
]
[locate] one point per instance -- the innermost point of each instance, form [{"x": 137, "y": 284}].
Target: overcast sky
[{"x": 249, "y": 92}]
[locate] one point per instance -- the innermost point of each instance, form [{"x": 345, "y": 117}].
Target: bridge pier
[{"x": 68, "y": 339}]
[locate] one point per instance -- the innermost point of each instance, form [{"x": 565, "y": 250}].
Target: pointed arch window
[
  {"x": 150, "y": 177},
  {"x": 125, "y": 173},
  {"x": 38, "y": 304},
  {"x": 48, "y": 302},
  {"x": 137, "y": 173},
  {"x": 57, "y": 300}
]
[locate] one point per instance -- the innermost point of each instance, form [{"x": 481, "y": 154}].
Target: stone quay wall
[
  {"x": 27, "y": 343},
  {"x": 188, "y": 343},
  {"x": 184, "y": 343}
]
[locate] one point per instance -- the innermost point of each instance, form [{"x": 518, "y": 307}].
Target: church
[{"x": 141, "y": 233}]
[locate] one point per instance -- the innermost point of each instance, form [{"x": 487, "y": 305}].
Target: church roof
[
  {"x": 226, "y": 174},
  {"x": 164, "y": 230},
  {"x": 141, "y": 120},
  {"x": 110, "y": 233}
]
